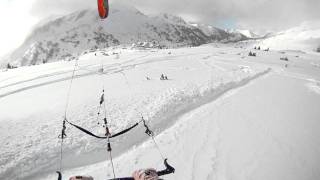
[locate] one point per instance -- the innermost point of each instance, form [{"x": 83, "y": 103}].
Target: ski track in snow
[
  {"x": 171, "y": 108},
  {"x": 181, "y": 103},
  {"x": 108, "y": 70},
  {"x": 165, "y": 117},
  {"x": 198, "y": 144},
  {"x": 111, "y": 69}
]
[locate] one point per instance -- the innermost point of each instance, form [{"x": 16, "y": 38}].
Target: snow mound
[{"x": 314, "y": 86}]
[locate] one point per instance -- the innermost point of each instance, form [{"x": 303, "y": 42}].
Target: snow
[
  {"x": 221, "y": 115},
  {"x": 278, "y": 140},
  {"x": 305, "y": 37},
  {"x": 314, "y": 86},
  {"x": 246, "y": 32}
]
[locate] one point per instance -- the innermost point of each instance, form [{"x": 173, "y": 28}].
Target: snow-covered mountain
[
  {"x": 245, "y": 32},
  {"x": 217, "y": 34},
  {"x": 305, "y": 37},
  {"x": 248, "y": 33},
  {"x": 71, "y": 35}
]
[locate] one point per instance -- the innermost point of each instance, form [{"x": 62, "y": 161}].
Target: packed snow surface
[{"x": 220, "y": 115}]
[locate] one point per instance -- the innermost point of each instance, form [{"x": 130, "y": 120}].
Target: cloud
[
  {"x": 45, "y": 8},
  {"x": 256, "y": 14},
  {"x": 252, "y": 14},
  {"x": 16, "y": 22}
]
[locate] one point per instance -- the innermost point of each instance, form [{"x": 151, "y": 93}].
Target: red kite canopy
[{"x": 103, "y": 8}]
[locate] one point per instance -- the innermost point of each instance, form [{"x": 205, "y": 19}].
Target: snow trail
[{"x": 218, "y": 117}]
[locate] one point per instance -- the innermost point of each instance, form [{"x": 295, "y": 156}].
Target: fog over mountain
[{"x": 261, "y": 15}]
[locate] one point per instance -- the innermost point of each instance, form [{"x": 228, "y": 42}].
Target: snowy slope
[
  {"x": 305, "y": 37},
  {"x": 221, "y": 114}
]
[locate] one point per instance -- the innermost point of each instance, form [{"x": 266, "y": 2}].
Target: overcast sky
[{"x": 18, "y": 16}]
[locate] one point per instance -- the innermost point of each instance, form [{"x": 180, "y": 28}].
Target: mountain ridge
[{"x": 68, "y": 36}]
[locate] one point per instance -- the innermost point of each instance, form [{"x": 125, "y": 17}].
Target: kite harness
[{"x": 103, "y": 9}]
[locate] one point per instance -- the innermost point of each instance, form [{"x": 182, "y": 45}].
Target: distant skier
[
  {"x": 147, "y": 174},
  {"x": 162, "y": 77},
  {"x": 252, "y": 54}
]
